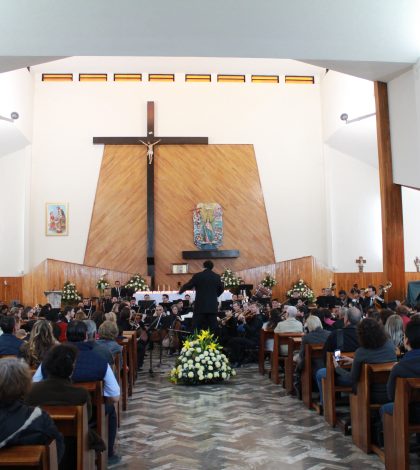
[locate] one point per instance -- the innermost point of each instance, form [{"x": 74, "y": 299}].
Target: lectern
[{"x": 54, "y": 297}]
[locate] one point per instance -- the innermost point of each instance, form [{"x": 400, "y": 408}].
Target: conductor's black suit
[{"x": 208, "y": 286}]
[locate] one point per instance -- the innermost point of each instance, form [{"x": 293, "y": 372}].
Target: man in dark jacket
[
  {"x": 9, "y": 344},
  {"x": 208, "y": 287}
]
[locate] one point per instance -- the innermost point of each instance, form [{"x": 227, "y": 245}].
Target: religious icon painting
[
  {"x": 56, "y": 219},
  {"x": 208, "y": 225}
]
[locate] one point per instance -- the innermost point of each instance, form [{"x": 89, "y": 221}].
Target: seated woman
[
  {"x": 375, "y": 348},
  {"x": 394, "y": 328},
  {"x": 108, "y": 333},
  {"x": 315, "y": 334},
  {"x": 57, "y": 389},
  {"x": 22, "y": 424},
  {"x": 270, "y": 325},
  {"x": 40, "y": 342}
]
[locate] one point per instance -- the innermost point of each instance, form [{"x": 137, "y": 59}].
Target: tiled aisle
[{"x": 248, "y": 423}]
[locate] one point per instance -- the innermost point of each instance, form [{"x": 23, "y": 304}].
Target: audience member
[
  {"x": 40, "y": 342},
  {"x": 289, "y": 325},
  {"x": 394, "y": 328},
  {"x": 22, "y": 424},
  {"x": 9, "y": 343}
]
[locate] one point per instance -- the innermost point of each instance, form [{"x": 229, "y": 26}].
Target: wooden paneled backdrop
[
  {"x": 10, "y": 289},
  {"x": 184, "y": 176},
  {"x": 51, "y": 275}
]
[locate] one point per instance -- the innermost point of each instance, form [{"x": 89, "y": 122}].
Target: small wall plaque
[{"x": 179, "y": 268}]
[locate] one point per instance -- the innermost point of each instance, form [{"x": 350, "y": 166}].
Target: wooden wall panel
[
  {"x": 51, "y": 275},
  {"x": 184, "y": 176},
  {"x": 227, "y": 174},
  {"x": 391, "y": 201},
  {"x": 314, "y": 273},
  {"x": 11, "y": 289},
  {"x": 117, "y": 235},
  {"x": 347, "y": 280}
]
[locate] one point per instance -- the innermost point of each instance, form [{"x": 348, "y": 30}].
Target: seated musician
[
  {"x": 228, "y": 327},
  {"x": 237, "y": 347},
  {"x": 165, "y": 302},
  {"x": 91, "y": 366},
  {"x": 408, "y": 367},
  {"x": 22, "y": 424},
  {"x": 133, "y": 304},
  {"x": 289, "y": 325}
]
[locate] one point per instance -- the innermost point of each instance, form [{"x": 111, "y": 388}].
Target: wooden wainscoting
[
  {"x": 286, "y": 273},
  {"x": 52, "y": 274},
  {"x": 347, "y": 280},
  {"x": 10, "y": 289}
]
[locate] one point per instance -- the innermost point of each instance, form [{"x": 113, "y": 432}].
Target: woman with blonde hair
[
  {"x": 394, "y": 328},
  {"x": 40, "y": 342}
]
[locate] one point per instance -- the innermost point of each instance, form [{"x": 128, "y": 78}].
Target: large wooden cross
[{"x": 151, "y": 141}]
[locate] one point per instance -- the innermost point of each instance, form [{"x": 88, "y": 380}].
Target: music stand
[
  {"x": 146, "y": 305},
  {"x": 226, "y": 305}
]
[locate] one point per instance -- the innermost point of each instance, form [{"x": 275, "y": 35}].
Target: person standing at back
[{"x": 208, "y": 287}]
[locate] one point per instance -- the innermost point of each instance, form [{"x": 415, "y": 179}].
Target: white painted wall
[
  {"x": 352, "y": 176},
  {"x": 404, "y": 107},
  {"x": 411, "y": 211},
  {"x": 16, "y": 94},
  {"x": 12, "y": 210},
  {"x": 282, "y": 121}
]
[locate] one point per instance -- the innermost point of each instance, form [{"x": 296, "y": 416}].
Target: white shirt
[{"x": 111, "y": 387}]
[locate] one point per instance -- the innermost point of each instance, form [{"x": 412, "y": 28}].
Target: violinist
[
  {"x": 252, "y": 324},
  {"x": 227, "y": 326}
]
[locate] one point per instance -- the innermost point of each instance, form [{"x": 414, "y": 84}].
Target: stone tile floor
[{"x": 247, "y": 423}]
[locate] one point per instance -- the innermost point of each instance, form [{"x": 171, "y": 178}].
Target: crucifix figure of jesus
[
  {"x": 150, "y": 143},
  {"x": 360, "y": 261},
  {"x": 150, "y": 146}
]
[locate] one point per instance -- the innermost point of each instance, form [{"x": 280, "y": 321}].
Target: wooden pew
[
  {"x": 264, "y": 336},
  {"x": 330, "y": 390},
  {"x": 37, "y": 457},
  {"x": 124, "y": 372},
  {"x": 72, "y": 421},
  {"x": 294, "y": 344},
  {"x": 132, "y": 335},
  {"x": 280, "y": 339},
  {"x": 117, "y": 371},
  {"x": 397, "y": 428},
  {"x": 361, "y": 405},
  {"x": 98, "y": 402},
  {"x": 312, "y": 351}
]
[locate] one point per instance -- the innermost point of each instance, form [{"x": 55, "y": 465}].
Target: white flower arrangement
[
  {"x": 136, "y": 283},
  {"x": 201, "y": 361},
  {"x": 102, "y": 284},
  {"x": 301, "y": 290},
  {"x": 70, "y": 294},
  {"x": 230, "y": 279},
  {"x": 268, "y": 281}
]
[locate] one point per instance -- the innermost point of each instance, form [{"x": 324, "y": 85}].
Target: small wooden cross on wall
[
  {"x": 360, "y": 261},
  {"x": 417, "y": 263}
]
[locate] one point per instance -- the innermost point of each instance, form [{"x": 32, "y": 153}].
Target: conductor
[{"x": 208, "y": 286}]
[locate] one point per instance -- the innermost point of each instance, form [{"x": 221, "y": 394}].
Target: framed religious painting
[{"x": 56, "y": 219}]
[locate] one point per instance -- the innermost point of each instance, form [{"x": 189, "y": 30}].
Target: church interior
[{"x": 300, "y": 122}]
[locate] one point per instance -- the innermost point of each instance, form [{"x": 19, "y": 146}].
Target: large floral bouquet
[
  {"x": 268, "y": 281},
  {"x": 137, "y": 282},
  {"x": 300, "y": 290},
  {"x": 201, "y": 361},
  {"x": 230, "y": 279},
  {"x": 70, "y": 294},
  {"x": 102, "y": 284}
]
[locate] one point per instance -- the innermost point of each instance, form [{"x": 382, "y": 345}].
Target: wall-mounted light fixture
[
  {"x": 12, "y": 118},
  {"x": 345, "y": 117}
]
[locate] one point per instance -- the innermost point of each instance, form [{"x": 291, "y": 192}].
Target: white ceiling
[{"x": 374, "y": 39}]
